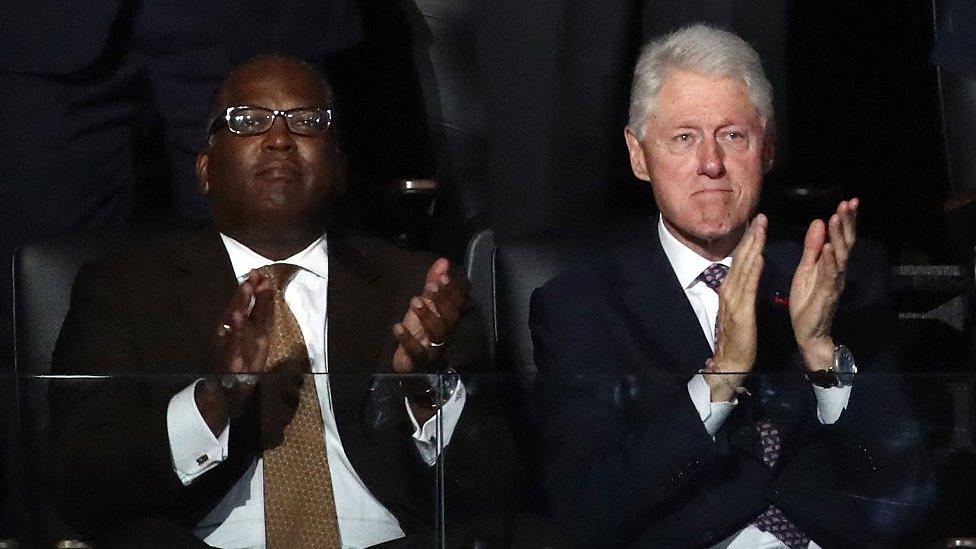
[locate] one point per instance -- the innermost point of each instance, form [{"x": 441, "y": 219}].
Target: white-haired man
[{"x": 715, "y": 384}]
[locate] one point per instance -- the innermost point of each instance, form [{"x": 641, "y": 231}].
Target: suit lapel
[
  {"x": 208, "y": 282},
  {"x": 654, "y": 298},
  {"x": 356, "y": 313},
  {"x": 359, "y": 342},
  {"x": 788, "y": 398}
]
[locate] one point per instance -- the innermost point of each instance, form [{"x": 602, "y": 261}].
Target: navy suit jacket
[{"x": 630, "y": 462}]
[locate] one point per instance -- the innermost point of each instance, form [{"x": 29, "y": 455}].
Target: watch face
[
  {"x": 228, "y": 381},
  {"x": 844, "y": 365},
  {"x": 844, "y": 361}
]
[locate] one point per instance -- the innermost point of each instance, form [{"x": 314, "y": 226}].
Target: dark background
[{"x": 517, "y": 109}]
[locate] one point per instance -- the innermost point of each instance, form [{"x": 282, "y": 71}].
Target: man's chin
[
  {"x": 717, "y": 232},
  {"x": 711, "y": 231}
]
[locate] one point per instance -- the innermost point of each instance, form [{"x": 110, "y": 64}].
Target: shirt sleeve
[
  {"x": 831, "y": 402},
  {"x": 712, "y": 414},
  {"x": 425, "y": 436},
  {"x": 193, "y": 446}
]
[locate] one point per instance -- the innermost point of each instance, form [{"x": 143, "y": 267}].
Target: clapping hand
[
  {"x": 818, "y": 283},
  {"x": 242, "y": 343},
  {"x": 429, "y": 321},
  {"x": 735, "y": 346}
]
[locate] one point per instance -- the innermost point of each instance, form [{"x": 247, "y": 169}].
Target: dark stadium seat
[{"x": 43, "y": 274}]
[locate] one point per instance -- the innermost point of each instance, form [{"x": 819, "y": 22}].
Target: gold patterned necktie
[{"x": 299, "y": 508}]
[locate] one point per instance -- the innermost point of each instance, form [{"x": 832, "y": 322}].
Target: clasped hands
[
  {"x": 242, "y": 342},
  {"x": 814, "y": 293}
]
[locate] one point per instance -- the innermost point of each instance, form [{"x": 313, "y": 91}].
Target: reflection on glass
[{"x": 527, "y": 462}]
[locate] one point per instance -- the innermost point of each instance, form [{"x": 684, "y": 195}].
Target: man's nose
[
  {"x": 711, "y": 161},
  {"x": 279, "y": 137}
]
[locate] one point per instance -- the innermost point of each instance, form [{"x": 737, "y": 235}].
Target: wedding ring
[
  {"x": 223, "y": 331},
  {"x": 441, "y": 344}
]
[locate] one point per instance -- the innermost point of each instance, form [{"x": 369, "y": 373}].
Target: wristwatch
[
  {"x": 434, "y": 391},
  {"x": 841, "y": 374},
  {"x": 231, "y": 381}
]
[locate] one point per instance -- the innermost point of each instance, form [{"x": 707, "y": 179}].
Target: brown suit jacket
[{"x": 154, "y": 313}]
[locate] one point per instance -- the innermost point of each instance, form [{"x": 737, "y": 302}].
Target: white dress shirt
[
  {"x": 238, "y": 520},
  {"x": 687, "y": 266}
]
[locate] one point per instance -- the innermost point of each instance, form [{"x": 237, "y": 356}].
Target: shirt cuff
[
  {"x": 193, "y": 446},
  {"x": 425, "y": 437},
  {"x": 712, "y": 414},
  {"x": 831, "y": 402}
]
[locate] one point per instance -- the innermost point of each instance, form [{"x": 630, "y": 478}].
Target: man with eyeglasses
[{"x": 232, "y": 456}]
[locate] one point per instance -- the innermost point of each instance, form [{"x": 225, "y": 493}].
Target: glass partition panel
[
  {"x": 638, "y": 461},
  {"x": 521, "y": 461},
  {"x": 479, "y": 461},
  {"x": 123, "y": 457}
]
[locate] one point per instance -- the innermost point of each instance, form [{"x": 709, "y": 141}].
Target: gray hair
[{"x": 700, "y": 49}]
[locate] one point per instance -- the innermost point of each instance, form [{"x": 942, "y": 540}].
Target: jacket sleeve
[
  {"x": 610, "y": 477},
  {"x": 111, "y": 431}
]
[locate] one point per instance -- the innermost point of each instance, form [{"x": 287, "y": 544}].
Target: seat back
[
  {"x": 43, "y": 274},
  {"x": 504, "y": 274}
]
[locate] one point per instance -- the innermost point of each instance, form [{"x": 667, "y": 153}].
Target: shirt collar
[
  {"x": 687, "y": 264},
  {"x": 314, "y": 258}
]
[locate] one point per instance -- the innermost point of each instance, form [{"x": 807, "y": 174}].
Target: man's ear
[
  {"x": 638, "y": 162},
  {"x": 203, "y": 175}
]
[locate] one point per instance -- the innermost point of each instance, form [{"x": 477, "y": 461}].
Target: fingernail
[
  {"x": 444, "y": 280},
  {"x": 431, "y": 288},
  {"x": 416, "y": 303}
]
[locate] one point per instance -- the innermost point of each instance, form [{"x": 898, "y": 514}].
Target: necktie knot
[
  {"x": 280, "y": 274},
  {"x": 714, "y": 275}
]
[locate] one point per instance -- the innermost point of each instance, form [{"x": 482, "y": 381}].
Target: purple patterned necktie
[
  {"x": 772, "y": 520},
  {"x": 713, "y": 276}
]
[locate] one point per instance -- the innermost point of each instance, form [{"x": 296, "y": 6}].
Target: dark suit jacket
[
  {"x": 154, "y": 312},
  {"x": 616, "y": 342}
]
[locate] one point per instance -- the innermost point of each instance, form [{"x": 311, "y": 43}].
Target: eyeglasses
[{"x": 245, "y": 120}]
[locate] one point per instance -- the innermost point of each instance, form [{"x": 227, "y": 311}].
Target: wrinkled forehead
[{"x": 688, "y": 99}]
